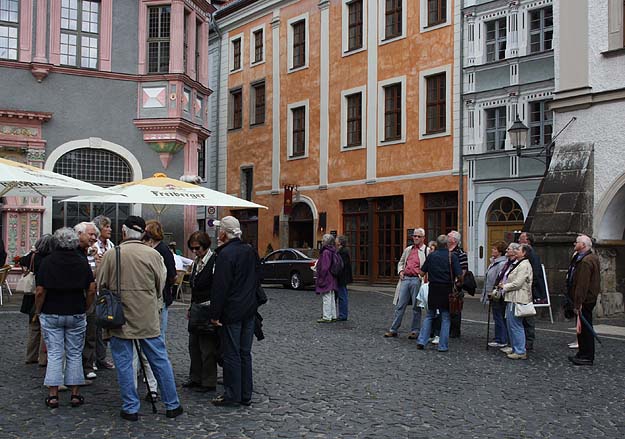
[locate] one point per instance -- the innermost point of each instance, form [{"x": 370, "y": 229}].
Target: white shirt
[{"x": 182, "y": 263}]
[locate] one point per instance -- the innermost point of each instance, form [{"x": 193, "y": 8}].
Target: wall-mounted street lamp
[{"x": 518, "y": 135}]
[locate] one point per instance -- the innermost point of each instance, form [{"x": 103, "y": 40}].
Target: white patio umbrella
[
  {"x": 160, "y": 191},
  {"x": 21, "y": 180}
]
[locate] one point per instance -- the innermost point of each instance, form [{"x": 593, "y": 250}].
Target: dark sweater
[{"x": 202, "y": 282}]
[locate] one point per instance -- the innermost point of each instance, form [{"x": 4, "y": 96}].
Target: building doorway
[
  {"x": 301, "y": 226},
  {"x": 504, "y": 218},
  {"x": 248, "y": 218}
]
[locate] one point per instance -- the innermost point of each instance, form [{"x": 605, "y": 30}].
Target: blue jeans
[
  {"x": 342, "y": 293},
  {"x": 65, "y": 338},
  {"x": 424, "y": 335},
  {"x": 499, "y": 310},
  {"x": 408, "y": 291},
  {"x": 515, "y": 330},
  {"x": 236, "y": 341},
  {"x": 156, "y": 353},
  {"x": 164, "y": 316}
]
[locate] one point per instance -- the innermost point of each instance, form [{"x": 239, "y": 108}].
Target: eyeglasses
[
  {"x": 417, "y": 236},
  {"x": 193, "y": 249}
]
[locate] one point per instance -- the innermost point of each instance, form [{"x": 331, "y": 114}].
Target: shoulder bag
[
  {"x": 524, "y": 309},
  {"x": 109, "y": 309},
  {"x": 26, "y": 285}
]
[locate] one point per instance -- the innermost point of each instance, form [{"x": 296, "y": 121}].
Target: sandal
[
  {"x": 52, "y": 401},
  {"x": 77, "y": 400}
]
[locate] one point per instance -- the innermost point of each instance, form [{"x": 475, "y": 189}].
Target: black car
[{"x": 288, "y": 266}]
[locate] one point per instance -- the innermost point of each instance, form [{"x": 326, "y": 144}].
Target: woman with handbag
[
  {"x": 60, "y": 306},
  {"x": 35, "y": 347},
  {"x": 492, "y": 278},
  {"x": 442, "y": 268},
  {"x": 517, "y": 291},
  {"x": 203, "y": 337}
]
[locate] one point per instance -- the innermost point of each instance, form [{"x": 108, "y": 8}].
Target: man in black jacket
[
  {"x": 539, "y": 291},
  {"x": 233, "y": 306}
]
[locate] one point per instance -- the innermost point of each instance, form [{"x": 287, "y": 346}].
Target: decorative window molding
[
  {"x": 383, "y": 87},
  {"x": 436, "y": 12},
  {"x": 345, "y": 118},
  {"x": 257, "y": 45},
  {"x": 384, "y": 37},
  {"x": 293, "y": 110},
  {"x": 540, "y": 123},
  {"x": 495, "y": 128},
  {"x": 236, "y": 50},
  {"x": 258, "y": 103},
  {"x": 235, "y": 109},
  {"x": 540, "y": 29},
  {"x": 80, "y": 33},
  {"x": 158, "y": 38},
  {"x": 495, "y": 39},
  {"x": 423, "y": 76},
  {"x": 347, "y": 24},
  {"x": 295, "y": 59}
]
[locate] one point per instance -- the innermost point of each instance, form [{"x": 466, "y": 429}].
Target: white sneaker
[
  {"x": 435, "y": 340},
  {"x": 91, "y": 376},
  {"x": 495, "y": 344},
  {"x": 574, "y": 345},
  {"x": 506, "y": 350}
]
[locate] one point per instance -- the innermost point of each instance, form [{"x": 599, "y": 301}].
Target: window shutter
[{"x": 615, "y": 24}]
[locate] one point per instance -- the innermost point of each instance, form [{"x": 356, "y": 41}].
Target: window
[
  {"x": 436, "y": 103},
  {"x": 299, "y": 131},
  {"x": 158, "y": 39},
  {"x": 496, "y": 40},
  {"x": 441, "y": 214},
  {"x": 354, "y": 120},
  {"x": 257, "y": 115},
  {"x": 393, "y": 19},
  {"x": 201, "y": 160},
  {"x": 299, "y": 44},
  {"x": 437, "y": 12},
  {"x": 236, "y": 54},
  {"x": 392, "y": 112},
  {"x": 185, "y": 41},
  {"x": 616, "y": 24},
  {"x": 495, "y": 128},
  {"x": 247, "y": 183},
  {"x": 236, "y": 109},
  {"x": 355, "y": 25},
  {"x": 259, "y": 47},
  {"x": 540, "y": 123},
  {"x": 9, "y": 26},
  {"x": 198, "y": 36},
  {"x": 79, "y": 33},
  {"x": 541, "y": 29}
]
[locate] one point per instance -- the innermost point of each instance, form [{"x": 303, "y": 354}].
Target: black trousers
[
  {"x": 88, "y": 352},
  {"x": 586, "y": 340},
  {"x": 203, "y": 353},
  {"x": 456, "y": 320},
  {"x": 529, "y": 326}
]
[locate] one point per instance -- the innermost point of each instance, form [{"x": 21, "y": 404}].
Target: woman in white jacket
[{"x": 517, "y": 289}]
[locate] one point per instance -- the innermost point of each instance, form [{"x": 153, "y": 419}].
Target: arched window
[
  {"x": 100, "y": 167},
  {"x": 505, "y": 210}
]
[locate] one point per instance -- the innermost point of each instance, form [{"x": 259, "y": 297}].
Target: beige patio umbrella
[{"x": 19, "y": 179}]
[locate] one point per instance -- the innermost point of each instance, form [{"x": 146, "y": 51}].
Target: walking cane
[
  {"x": 488, "y": 325},
  {"x": 147, "y": 384}
]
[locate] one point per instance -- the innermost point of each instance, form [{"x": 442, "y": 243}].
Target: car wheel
[{"x": 296, "y": 281}]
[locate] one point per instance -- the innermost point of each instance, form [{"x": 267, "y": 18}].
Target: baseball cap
[{"x": 135, "y": 223}]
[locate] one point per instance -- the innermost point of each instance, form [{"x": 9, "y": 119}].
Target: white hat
[{"x": 230, "y": 224}]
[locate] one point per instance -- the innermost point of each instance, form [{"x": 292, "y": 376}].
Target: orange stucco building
[{"x": 349, "y": 104}]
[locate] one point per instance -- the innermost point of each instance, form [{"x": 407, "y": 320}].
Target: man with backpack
[
  {"x": 329, "y": 266},
  {"x": 410, "y": 276}
]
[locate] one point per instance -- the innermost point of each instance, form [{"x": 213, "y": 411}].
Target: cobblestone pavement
[{"x": 345, "y": 380}]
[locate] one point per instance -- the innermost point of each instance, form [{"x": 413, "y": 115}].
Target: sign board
[
  {"x": 548, "y": 303},
  {"x": 211, "y": 211}
]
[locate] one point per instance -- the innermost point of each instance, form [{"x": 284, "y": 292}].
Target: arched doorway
[
  {"x": 505, "y": 216},
  {"x": 301, "y": 226},
  {"x": 98, "y": 166}
]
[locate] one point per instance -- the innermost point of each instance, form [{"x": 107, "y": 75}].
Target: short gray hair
[
  {"x": 456, "y": 236},
  {"x": 45, "y": 244},
  {"x": 514, "y": 246},
  {"x": 419, "y": 230},
  {"x": 328, "y": 239},
  {"x": 441, "y": 241},
  {"x": 101, "y": 221},
  {"x": 82, "y": 227},
  {"x": 585, "y": 239},
  {"x": 131, "y": 233},
  {"x": 66, "y": 238}
]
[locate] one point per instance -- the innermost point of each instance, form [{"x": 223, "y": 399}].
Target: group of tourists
[
  {"x": 513, "y": 283},
  {"x": 73, "y": 265}
]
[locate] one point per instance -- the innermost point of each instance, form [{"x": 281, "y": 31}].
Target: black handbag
[
  {"x": 109, "y": 309},
  {"x": 199, "y": 319}
]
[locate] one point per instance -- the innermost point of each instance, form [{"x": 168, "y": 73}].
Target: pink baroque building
[{"x": 104, "y": 91}]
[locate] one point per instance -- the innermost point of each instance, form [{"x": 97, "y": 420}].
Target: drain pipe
[
  {"x": 460, "y": 128},
  {"x": 216, "y": 107}
]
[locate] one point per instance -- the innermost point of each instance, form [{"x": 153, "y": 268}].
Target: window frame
[
  {"x": 290, "y": 129},
  {"x": 423, "y": 76},
  {"x": 345, "y": 17},
  {"x": 254, "y": 107},
  {"x": 13, "y": 25},
  {"x": 79, "y": 34},
  {"x": 540, "y": 31},
  {"x": 541, "y": 123},
  {"x": 497, "y": 40},
  {"x": 249, "y": 188},
  {"x": 382, "y": 115},
  {"x": 383, "y": 38},
  {"x": 497, "y": 130},
  {"x": 290, "y": 43},
  {"x": 254, "y": 45},
  {"x": 436, "y": 102},
  {"x": 234, "y": 110},
  {"x": 298, "y": 56},
  {"x": 201, "y": 160},
  {"x": 441, "y": 12},
  {"x": 159, "y": 40},
  {"x": 231, "y": 53},
  {"x": 345, "y": 95}
]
